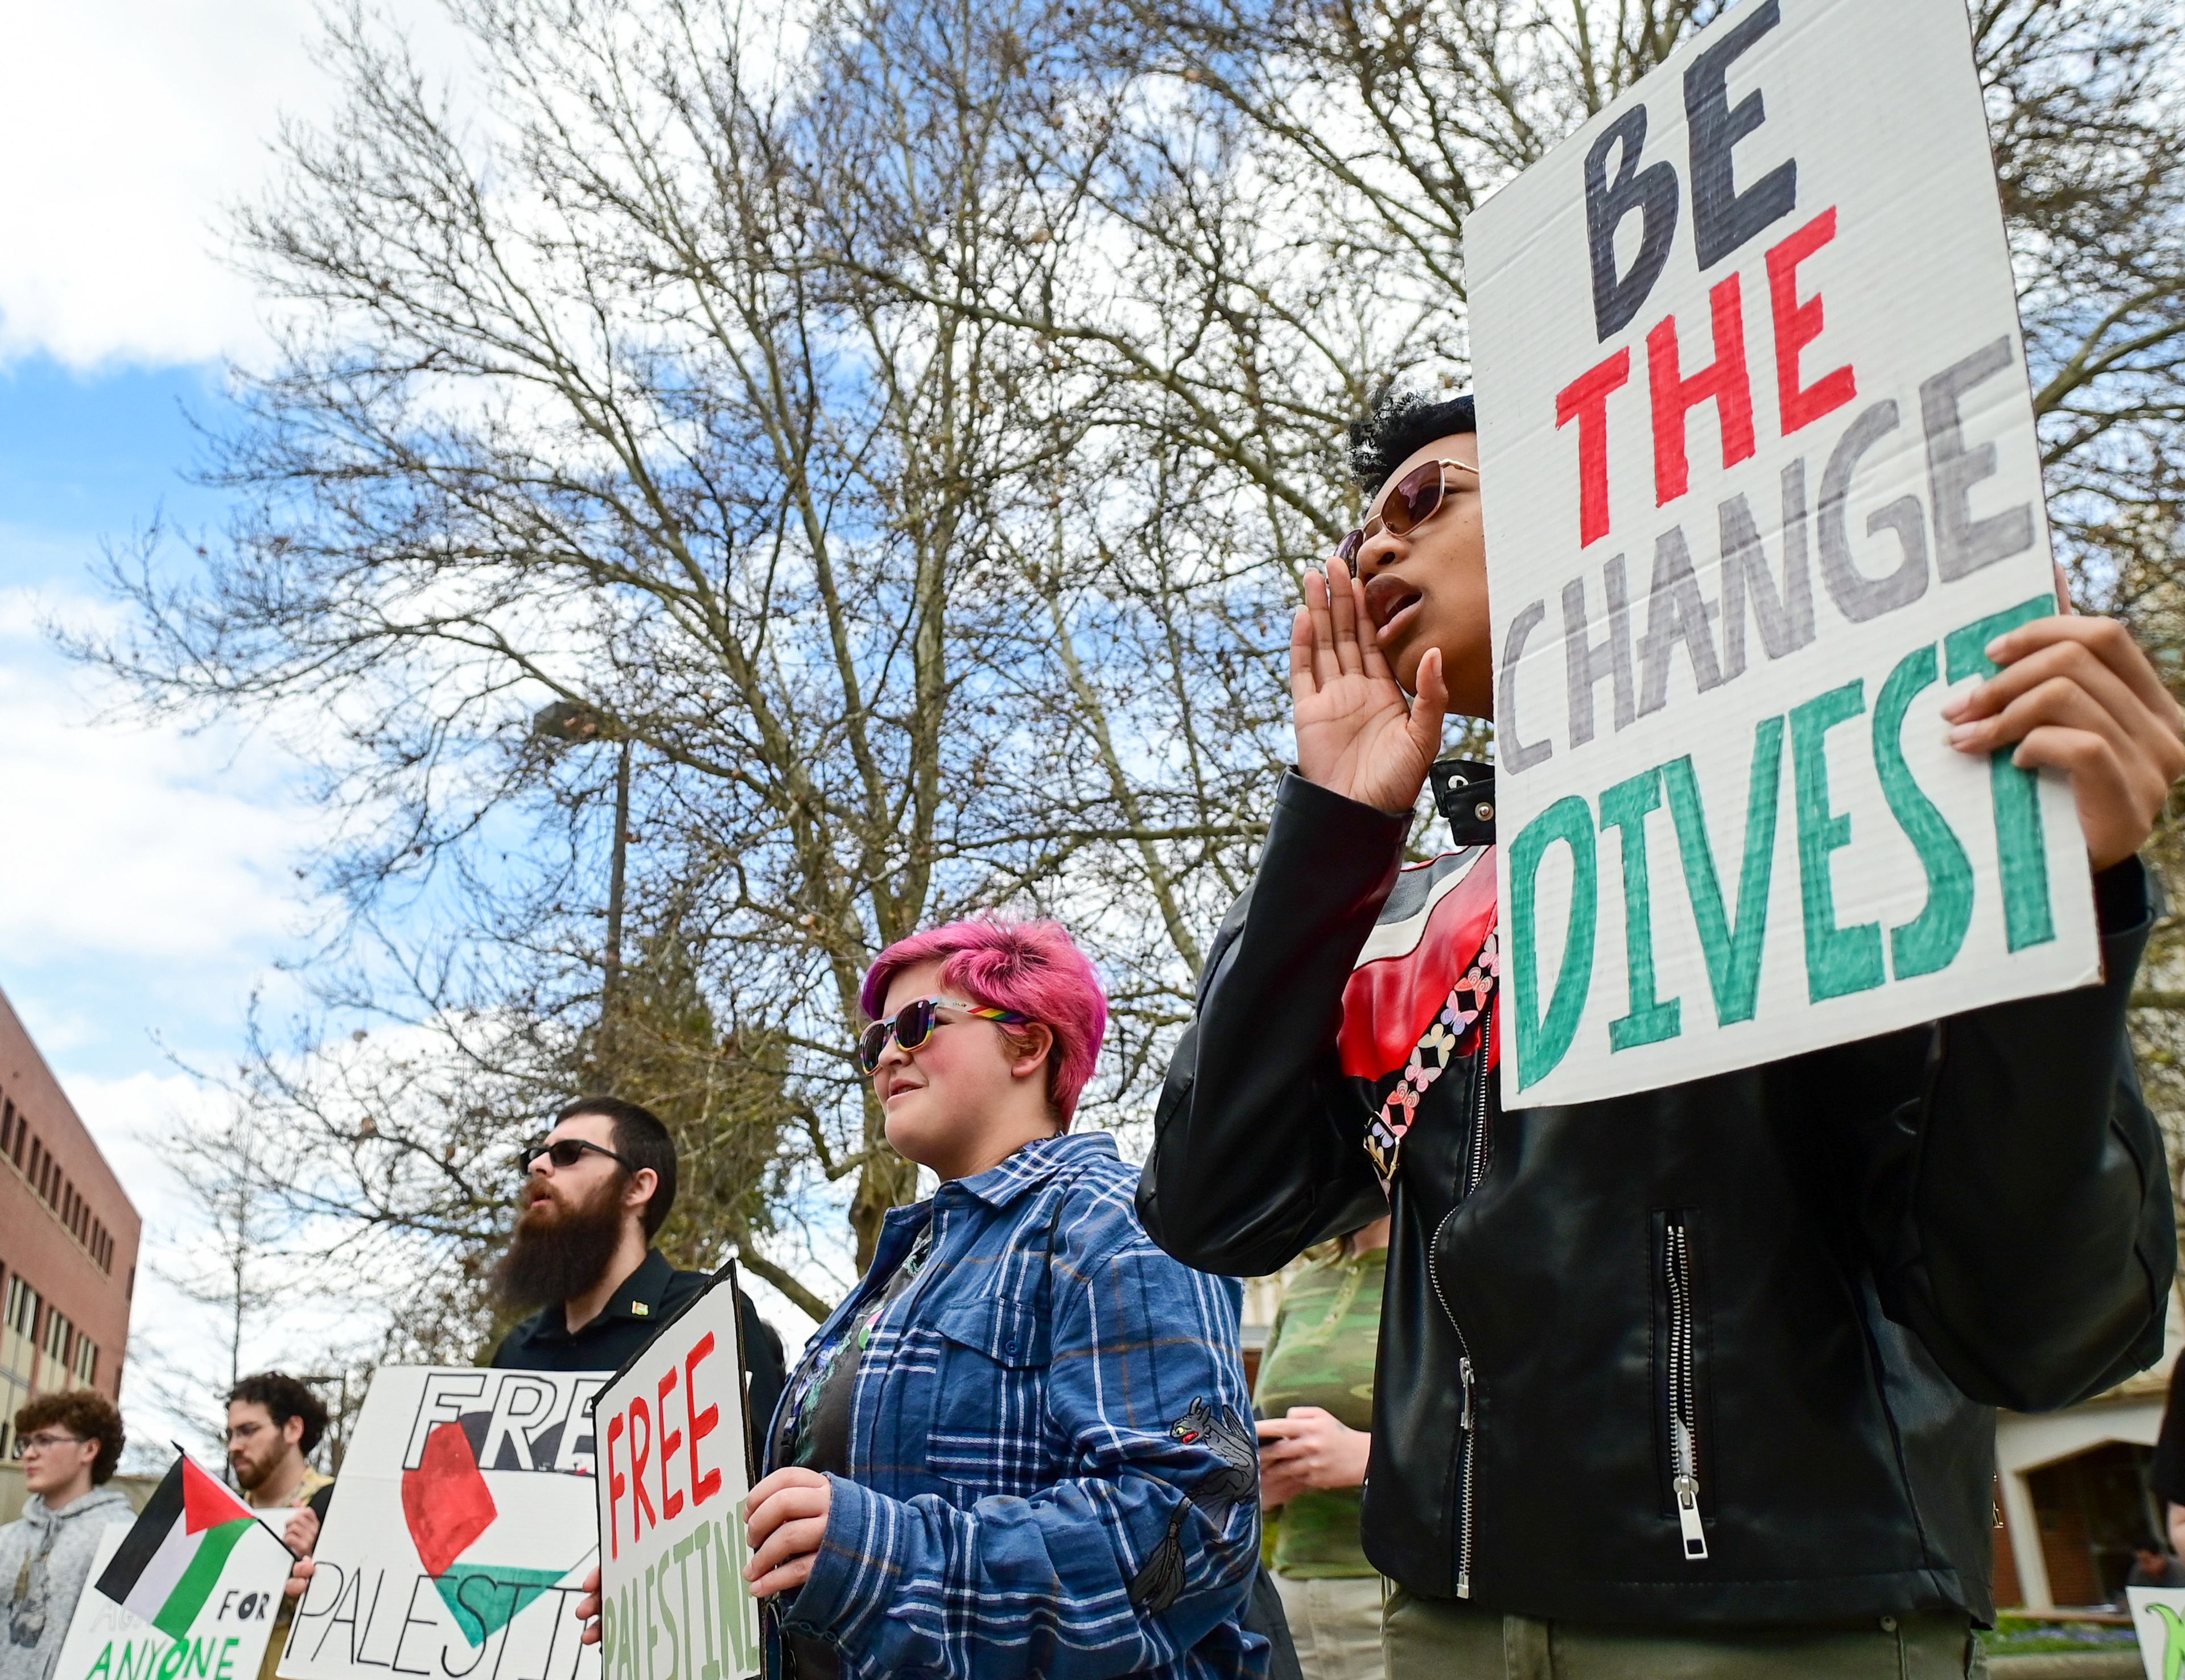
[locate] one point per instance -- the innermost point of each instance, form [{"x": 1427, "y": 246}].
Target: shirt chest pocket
[{"x": 989, "y": 1433}]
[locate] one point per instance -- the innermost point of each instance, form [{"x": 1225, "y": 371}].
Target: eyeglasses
[
  {"x": 565, "y": 1152},
  {"x": 45, "y": 1441},
  {"x": 1415, "y": 498},
  {"x": 914, "y": 1023}
]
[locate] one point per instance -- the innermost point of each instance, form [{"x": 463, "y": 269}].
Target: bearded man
[{"x": 597, "y": 1189}]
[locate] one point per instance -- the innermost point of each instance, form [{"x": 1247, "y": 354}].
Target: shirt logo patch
[{"x": 640, "y": 1309}]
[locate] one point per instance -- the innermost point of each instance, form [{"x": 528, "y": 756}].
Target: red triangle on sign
[{"x": 205, "y": 1503}]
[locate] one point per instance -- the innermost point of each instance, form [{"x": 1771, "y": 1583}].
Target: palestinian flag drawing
[
  {"x": 170, "y": 1562},
  {"x": 484, "y": 1528}
]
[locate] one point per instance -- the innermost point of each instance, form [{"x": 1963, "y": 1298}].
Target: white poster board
[
  {"x": 672, "y": 1431},
  {"x": 211, "y": 1597},
  {"x": 459, "y": 1532},
  {"x": 2158, "y": 1616},
  {"x": 1760, "y": 483}
]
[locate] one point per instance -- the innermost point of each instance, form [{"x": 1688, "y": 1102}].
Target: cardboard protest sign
[
  {"x": 1761, "y": 483},
  {"x": 188, "y": 1592},
  {"x": 2158, "y": 1617},
  {"x": 671, "y": 1496},
  {"x": 459, "y": 1532}
]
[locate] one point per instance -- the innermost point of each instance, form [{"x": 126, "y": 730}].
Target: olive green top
[{"x": 1320, "y": 1353}]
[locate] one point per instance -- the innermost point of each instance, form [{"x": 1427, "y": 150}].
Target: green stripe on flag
[{"x": 199, "y": 1579}]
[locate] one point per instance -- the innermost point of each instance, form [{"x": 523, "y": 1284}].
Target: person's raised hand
[
  {"x": 1309, "y": 1447},
  {"x": 785, "y": 1520},
  {"x": 302, "y": 1532},
  {"x": 1356, "y": 736},
  {"x": 2078, "y": 694},
  {"x": 587, "y": 1610}
]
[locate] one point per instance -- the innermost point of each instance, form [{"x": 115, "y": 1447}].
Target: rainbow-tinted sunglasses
[{"x": 914, "y": 1023}]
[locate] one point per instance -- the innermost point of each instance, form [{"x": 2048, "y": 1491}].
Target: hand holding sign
[
  {"x": 786, "y": 1518},
  {"x": 1356, "y": 734},
  {"x": 2079, "y": 695}
]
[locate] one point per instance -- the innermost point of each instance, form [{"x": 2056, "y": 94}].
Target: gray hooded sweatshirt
[{"x": 45, "y": 1563}]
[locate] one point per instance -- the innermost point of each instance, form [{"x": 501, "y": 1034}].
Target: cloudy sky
[{"x": 150, "y": 888}]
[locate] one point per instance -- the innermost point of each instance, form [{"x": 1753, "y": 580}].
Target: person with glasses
[
  {"x": 1022, "y": 1446},
  {"x": 597, "y": 1187},
  {"x": 69, "y": 1445},
  {"x": 274, "y": 1423},
  {"x": 1744, "y": 1335}
]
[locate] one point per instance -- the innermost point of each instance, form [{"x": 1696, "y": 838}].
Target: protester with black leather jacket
[{"x": 1740, "y": 1337}]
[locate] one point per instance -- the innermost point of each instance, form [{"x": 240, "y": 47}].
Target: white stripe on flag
[{"x": 149, "y": 1595}]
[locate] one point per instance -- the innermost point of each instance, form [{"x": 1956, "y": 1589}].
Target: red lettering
[
  {"x": 700, "y": 1424},
  {"x": 616, "y": 1487},
  {"x": 1797, "y": 325},
  {"x": 1723, "y": 380},
  {"x": 641, "y": 1502},
  {"x": 671, "y": 1498},
  {"x": 1585, "y": 400}
]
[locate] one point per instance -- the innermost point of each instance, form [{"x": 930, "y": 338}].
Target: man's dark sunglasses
[{"x": 565, "y": 1152}]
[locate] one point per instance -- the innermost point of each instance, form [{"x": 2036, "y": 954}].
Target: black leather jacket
[{"x": 1829, "y": 1270}]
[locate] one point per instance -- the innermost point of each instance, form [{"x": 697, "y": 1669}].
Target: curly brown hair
[{"x": 88, "y": 1415}]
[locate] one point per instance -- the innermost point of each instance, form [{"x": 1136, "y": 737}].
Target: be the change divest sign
[
  {"x": 1761, "y": 484},
  {"x": 671, "y": 1480}
]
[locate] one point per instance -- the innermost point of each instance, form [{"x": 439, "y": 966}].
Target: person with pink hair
[{"x": 1022, "y": 1445}]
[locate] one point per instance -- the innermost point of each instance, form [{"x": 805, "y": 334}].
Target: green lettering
[
  {"x": 739, "y": 1637},
  {"x": 1542, "y": 1041},
  {"x": 2026, "y": 919},
  {"x": 1929, "y": 942},
  {"x": 1623, "y": 807},
  {"x": 708, "y": 1613},
  {"x": 1732, "y": 948},
  {"x": 227, "y": 1659},
  {"x": 104, "y": 1663},
  {"x": 174, "y": 1659},
  {"x": 1839, "y": 960}
]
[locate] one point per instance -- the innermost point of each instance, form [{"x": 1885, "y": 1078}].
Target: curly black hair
[
  {"x": 1401, "y": 423},
  {"x": 284, "y": 1397}
]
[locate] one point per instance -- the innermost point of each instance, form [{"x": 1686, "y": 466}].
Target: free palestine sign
[
  {"x": 460, "y": 1532},
  {"x": 1761, "y": 484},
  {"x": 673, "y": 1434}
]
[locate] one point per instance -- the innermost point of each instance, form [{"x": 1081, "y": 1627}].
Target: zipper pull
[
  {"x": 1464, "y": 1377},
  {"x": 1688, "y": 1517}
]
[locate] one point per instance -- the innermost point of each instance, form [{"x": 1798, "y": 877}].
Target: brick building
[{"x": 68, "y": 1240}]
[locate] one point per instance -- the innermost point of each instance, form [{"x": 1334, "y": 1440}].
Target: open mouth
[{"x": 1390, "y": 602}]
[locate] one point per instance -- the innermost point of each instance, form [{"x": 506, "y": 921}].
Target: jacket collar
[{"x": 637, "y": 1297}]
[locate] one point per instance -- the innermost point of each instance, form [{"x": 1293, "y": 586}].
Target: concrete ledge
[{"x": 2067, "y": 1666}]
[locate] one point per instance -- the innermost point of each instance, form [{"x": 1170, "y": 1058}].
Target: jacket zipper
[
  {"x": 1683, "y": 1440},
  {"x": 1475, "y": 1169}
]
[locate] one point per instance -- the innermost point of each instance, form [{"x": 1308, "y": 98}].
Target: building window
[
  {"x": 86, "y": 1360},
  {"x": 57, "y": 1338},
  {"x": 22, "y": 1313}
]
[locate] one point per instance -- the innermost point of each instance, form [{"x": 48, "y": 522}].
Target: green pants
[{"x": 1441, "y": 1640}]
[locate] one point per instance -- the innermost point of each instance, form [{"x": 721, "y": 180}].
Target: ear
[
  {"x": 639, "y": 1190},
  {"x": 1038, "y": 1040},
  {"x": 293, "y": 1430}
]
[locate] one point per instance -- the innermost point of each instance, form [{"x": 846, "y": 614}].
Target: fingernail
[
  {"x": 1955, "y": 706},
  {"x": 1994, "y": 649},
  {"x": 1964, "y": 733}
]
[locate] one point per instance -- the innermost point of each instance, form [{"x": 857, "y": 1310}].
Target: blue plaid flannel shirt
[{"x": 1044, "y": 1451}]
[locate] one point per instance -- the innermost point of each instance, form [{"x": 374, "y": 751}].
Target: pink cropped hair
[{"x": 1033, "y": 968}]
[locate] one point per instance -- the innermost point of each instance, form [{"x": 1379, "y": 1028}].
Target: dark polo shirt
[{"x": 648, "y": 1297}]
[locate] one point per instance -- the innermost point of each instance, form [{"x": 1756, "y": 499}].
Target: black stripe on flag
[{"x": 161, "y": 1512}]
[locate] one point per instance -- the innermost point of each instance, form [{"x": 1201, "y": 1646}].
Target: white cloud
[
  {"x": 125, "y": 128},
  {"x": 135, "y": 840}
]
